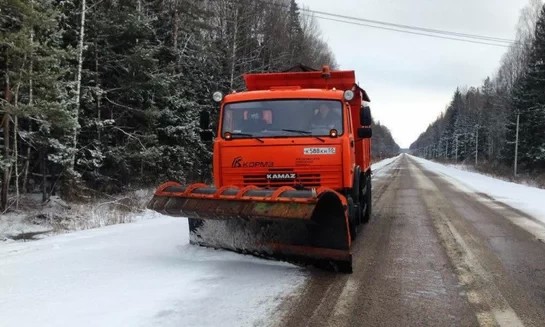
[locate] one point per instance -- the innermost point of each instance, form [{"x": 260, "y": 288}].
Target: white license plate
[{"x": 319, "y": 151}]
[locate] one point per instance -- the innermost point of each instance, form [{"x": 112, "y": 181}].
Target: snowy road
[
  {"x": 140, "y": 274},
  {"x": 441, "y": 249}
]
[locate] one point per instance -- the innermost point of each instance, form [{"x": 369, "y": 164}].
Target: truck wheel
[
  {"x": 356, "y": 197},
  {"x": 353, "y": 223},
  {"x": 368, "y": 201},
  {"x": 361, "y": 198}
]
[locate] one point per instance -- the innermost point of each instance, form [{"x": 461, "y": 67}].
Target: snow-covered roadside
[
  {"x": 525, "y": 198},
  {"x": 36, "y": 221},
  {"x": 139, "y": 274},
  {"x": 17, "y": 225}
]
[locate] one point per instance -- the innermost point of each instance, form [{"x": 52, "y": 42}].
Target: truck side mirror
[
  {"x": 207, "y": 136},
  {"x": 365, "y": 116},
  {"x": 204, "y": 123},
  {"x": 204, "y": 120},
  {"x": 365, "y": 132}
]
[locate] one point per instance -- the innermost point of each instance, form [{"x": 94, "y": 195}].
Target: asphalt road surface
[{"x": 432, "y": 255}]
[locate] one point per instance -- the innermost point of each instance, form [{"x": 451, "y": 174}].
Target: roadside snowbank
[
  {"x": 525, "y": 198},
  {"x": 139, "y": 274},
  {"x": 35, "y": 220}
]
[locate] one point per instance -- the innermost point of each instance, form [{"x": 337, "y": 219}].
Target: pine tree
[
  {"x": 529, "y": 103},
  {"x": 383, "y": 145},
  {"x": 295, "y": 34},
  {"x": 35, "y": 65}
]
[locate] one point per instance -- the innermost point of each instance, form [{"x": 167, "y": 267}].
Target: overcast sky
[{"x": 409, "y": 78}]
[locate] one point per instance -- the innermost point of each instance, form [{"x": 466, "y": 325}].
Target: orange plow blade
[{"x": 299, "y": 226}]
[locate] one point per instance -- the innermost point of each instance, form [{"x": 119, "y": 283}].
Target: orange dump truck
[{"x": 292, "y": 176}]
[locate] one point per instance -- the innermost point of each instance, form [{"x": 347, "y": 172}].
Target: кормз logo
[{"x": 237, "y": 162}]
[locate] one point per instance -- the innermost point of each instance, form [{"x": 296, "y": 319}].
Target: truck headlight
[
  {"x": 217, "y": 96},
  {"x": 348, "y": 95}
]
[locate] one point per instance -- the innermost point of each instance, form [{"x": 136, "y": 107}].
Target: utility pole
[
  {"x": 477, "y": 146},
  {"x": 517, "y": 144}
]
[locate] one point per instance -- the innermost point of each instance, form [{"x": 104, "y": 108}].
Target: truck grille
[{"x": 302, "y": 179}]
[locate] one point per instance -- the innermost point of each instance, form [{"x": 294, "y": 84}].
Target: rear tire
[
  {"x": 368, "y": 204},
  {"x": 356, "y": 194}
]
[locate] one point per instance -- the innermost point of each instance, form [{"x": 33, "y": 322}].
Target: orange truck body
[{"x": 300, "y": 196}]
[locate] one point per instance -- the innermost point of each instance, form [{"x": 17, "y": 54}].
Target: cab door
[{"x": 352, "y": 143}]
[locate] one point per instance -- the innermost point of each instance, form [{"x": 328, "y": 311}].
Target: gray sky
[{"x": 410, "y": 78}]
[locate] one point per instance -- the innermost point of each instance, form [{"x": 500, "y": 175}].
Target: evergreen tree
[
  {"x": 383, "y": 144},
  {"x": 36, "y": 92},
  {"x": 295, "y": 34},
  {"x": 529, "y": 103},
  {"x": 108, "y": 93}
]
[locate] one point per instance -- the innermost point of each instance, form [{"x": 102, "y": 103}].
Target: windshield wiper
[
  {"x": 242, "y": 134},
  {"x": 302, "y": 132},
  {"x": 297, "y": 131},
  {"x": 248, "y": 135}
]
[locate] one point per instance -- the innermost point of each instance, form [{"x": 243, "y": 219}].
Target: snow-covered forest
[
  {"x": 480, "y": 124},
  {"x": 383, "y": 144},
  {"x": 103, "y": 96}
]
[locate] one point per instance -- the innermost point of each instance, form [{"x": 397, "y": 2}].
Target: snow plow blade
[{"x": 298, "y": 226}]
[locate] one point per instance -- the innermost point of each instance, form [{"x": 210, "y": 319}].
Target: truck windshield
[{"x": 274, "y": 118}]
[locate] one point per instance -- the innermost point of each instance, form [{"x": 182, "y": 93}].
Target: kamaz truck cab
[{"x": 292, "y": 158}]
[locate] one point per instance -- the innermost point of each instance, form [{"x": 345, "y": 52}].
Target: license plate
[{"x": 319, "y": 151}]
